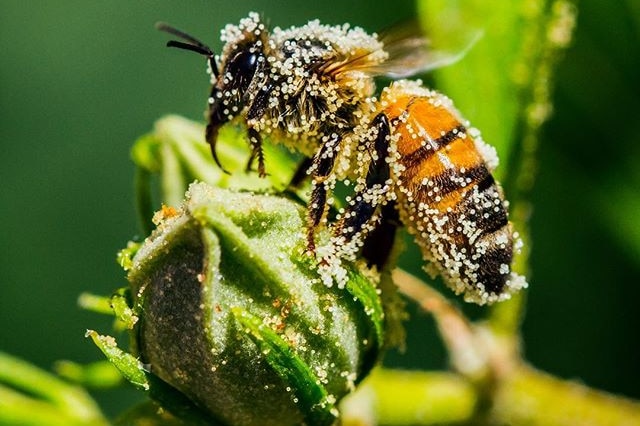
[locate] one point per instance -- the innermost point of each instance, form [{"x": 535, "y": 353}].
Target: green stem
[
  {"x": 526, "y": 397},
  {"x": 394, "y": 397},
  {"x": 466, "y": 356},
  {"x": 531, "y": 397}
]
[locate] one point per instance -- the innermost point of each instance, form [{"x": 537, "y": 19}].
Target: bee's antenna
[{"x": 193, "y": 44}]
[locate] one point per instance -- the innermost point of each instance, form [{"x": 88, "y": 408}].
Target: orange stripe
[
  {"x": 423, "y": 115},
  {"x": 436, "y": 121},
  {"x": 463, "y": 153}
]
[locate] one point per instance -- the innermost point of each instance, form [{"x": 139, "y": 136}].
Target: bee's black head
[
  {"x": 231, "y": 90},
  {"x": 240, "y": 67}
]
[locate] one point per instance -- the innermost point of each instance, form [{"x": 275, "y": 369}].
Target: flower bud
[{"x": 232, "y": 312}]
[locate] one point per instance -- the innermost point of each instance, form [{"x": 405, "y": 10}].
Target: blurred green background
[{"x": 80, "y": 81}]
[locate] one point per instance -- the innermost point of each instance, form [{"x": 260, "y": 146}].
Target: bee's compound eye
[{"x": 244, "y": 63}]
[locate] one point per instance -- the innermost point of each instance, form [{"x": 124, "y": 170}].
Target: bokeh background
[{"x": 80, "y": 81}]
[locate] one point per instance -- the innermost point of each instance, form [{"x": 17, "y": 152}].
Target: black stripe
[
  {"x": 483, "y": 203},
  {"x": 496, "y": 221},
  {"x": 427, "y": 150},
  {"x": 449, "y": 180},
  {"x": 486, "y": 182},
  {"x": 489, "y": 268}
]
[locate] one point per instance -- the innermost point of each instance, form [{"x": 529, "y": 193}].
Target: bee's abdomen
[{"x": 448, "y": 198}]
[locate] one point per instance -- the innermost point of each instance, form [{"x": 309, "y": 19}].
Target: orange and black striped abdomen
[{"x": 447, "y": 196}]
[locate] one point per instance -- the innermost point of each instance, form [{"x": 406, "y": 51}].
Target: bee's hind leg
[{"x": 378, "y": 244}]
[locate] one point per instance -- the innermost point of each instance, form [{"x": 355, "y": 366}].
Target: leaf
[
  {"x": 31, "y": 396},
  {"x": 503, "y": 83},
  {"x": 305, "y": 386}
]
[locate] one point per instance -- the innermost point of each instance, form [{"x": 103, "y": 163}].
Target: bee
[{"x": 312, "y": 87}]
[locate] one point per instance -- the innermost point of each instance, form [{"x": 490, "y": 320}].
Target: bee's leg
[
  {"x": 256, "y": 110},
  {"x": 255, "y": 141},
  {"x": 320, "y": 170},
  {"x": 376, "y": 191},
  {"x": 292, "y": 190},
  {"x": 300, "y": 174},
  {"x": 259, "y": 103},
  {"x": 211, "y": 136},
  {"x": 379, "y": 242}
]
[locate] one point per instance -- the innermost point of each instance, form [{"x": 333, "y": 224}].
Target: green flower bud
[{"x": 233, "y": 314}]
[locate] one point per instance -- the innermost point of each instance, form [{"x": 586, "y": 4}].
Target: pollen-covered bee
[{"x": 312, "y": 87}]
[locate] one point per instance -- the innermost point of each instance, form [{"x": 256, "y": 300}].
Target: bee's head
[
  {"x": 239, "y": 65},
  {"x": 231, "y": 79}
]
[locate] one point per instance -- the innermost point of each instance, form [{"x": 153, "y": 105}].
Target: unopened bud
[{"x": 232, "y": 312}]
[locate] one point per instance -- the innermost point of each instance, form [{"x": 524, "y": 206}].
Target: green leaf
[
  {"x": 125, "y": 255},
  {"x": 177, "y": 153},
  {"x": 502, "y": 84},
  {"x": 122, "y": 308},
  {"x": 127, "y": 364},
  {"x": 305, "y": 386},
  {"x": 135, "y": 373},
  {"x": 369, "y": 296},
  {"x": 96, "y": 375},
  {"x": 95, "y": 303},
  {"x": 503, "y": 87},
  {"x": 31, "y": 396}
]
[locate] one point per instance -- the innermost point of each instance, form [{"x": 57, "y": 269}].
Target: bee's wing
[{"x": 411, "y": 52}]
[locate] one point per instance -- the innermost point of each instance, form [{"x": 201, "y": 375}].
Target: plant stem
[
  {"x": 395, "y": 397},
  {"x": 531, "y": 397},
  {"x": 467, "y": 356},
  {"x": 526, "y": 397}
]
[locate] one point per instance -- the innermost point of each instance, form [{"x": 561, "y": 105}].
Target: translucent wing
[{"x": 411, "y": 52}]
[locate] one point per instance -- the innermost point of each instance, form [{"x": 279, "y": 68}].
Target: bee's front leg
[
  {"x": 257, "y": 109},
  {"x": 255, "y": 141}
]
